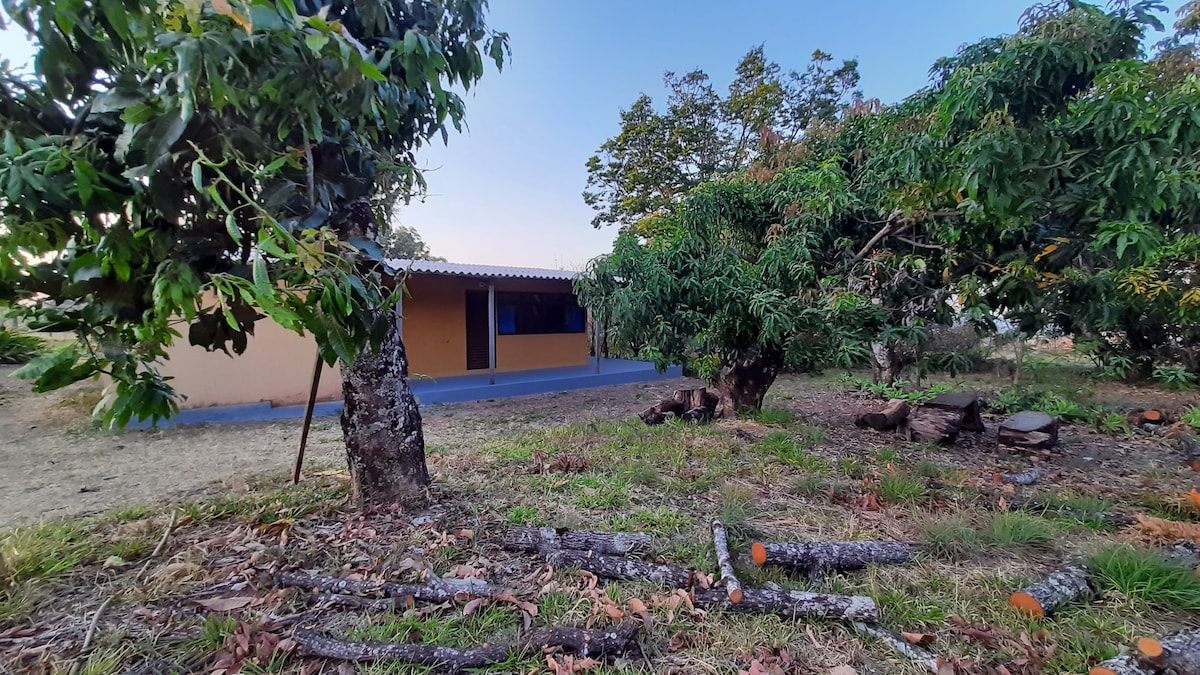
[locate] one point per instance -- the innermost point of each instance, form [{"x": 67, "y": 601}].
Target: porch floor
[{"x": 455, "y": 389}]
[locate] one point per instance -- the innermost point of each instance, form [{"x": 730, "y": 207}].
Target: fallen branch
[
  {"x": 1177, "y": 653},
  {"x": 817, "y": 557},
  {"x": 435, "y": 589},
  {"x": 157, "y": 549},
  {"x": 614, "y": 567},
  {"x": 533, "y": 539},
  {"x": 1047, "y": 595},
  {"x": 1107, "y": 517},
  {"x": 1026, "y": 477},
  {"x": 587, "y": 643},
  {"x": 721, "y": 543},
  {"x": 359, "y": 602},
  {"x": 91, "y": 631},
  {"x": 899, "y": 644},
  {"x": 791, "y": 604}
]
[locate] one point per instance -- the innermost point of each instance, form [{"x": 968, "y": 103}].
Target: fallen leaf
[
  {"x": 225, "y": 604},
  {"x": 114, "y": 561},
  {"x": 642, "y": 611},
  {"x": 1168, "y": 530},
  {"x": 465, "y": 534},
  {"x": 919, "y": 639},
  {"x": 843, "y": 670},
  {"x": 526, "y": 606},
  {"x": 470, "y": 607},
  {"x": 1195, "y": 497},
  {"x": 1003, "y": 504}
]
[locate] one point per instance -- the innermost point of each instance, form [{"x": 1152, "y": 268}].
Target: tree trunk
[
  {"x": 385, "y": 447},
  {"x": 743, "y": 384},
  {"x": 888, "y": 360},
  {"x": 791, "y": 604}
]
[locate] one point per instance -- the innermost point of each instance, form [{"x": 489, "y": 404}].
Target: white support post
[{"x": 491, "y": 332}]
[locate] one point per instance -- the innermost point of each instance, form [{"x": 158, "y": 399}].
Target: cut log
[
  {"x": 615, "y": 567},
  {"x": 435, "y": 589},
  {"x": 934, "y": 425},
  {"x": 728, "y": 579},
  {"x": 967, "y": 403},
  {"x": 1044, "y": 597},
  {"x": 791, "y": 604},
  {"x": 1190, "y": 448},
  {"x": 1026, "y": 477},
  {"x": 887, "y": 418},
  {"x": 816, "y": 557},
  {"x": 585, "y": 642},
  {"x": 534, "y": 539},
  {"x": 1029, "y": 429},
  {"x": 1177, "y": 654}
]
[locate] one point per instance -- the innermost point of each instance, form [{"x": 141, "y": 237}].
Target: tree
[
  {"x": 656, "y": 157},
  {"x": 1047, "y": 177},
  {"x": 214, "y": 163},
  {"x": 405, "y": 243}
]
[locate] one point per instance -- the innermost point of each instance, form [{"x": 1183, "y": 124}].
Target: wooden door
[{"x": 478, "y": 353}]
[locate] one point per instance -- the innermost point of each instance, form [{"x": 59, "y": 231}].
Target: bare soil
[{"x": 57, "y": 462}]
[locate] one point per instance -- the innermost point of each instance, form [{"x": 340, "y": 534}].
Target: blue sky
[{"x": 507, "y": 191}]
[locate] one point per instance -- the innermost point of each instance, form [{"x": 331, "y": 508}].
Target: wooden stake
[
  {"x": 308, "y": 415},
  {"x": 728, "y": 578}
]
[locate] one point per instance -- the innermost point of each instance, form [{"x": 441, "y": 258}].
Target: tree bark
[
  {"x": 887, "y": 418},
  {"x": 1180, "y": 655},
  {"x": 1026, "y": 477},
  {"x": 385, "y": 447},
  {"x": 691, "y": 405},
  {"x": 936, "y": 426},
  {"x": 888, "y": 361},
  {"x": 616, "y": 567},
  {"x": 586, "y": 642},
  {"x": 534, "y": 539},
  {"x": 1047, "y": 595},
  {"x": 728, "y": 578},
  {"x": 816, "y": 557},
  {"x": 791, "y": 604},
  {"x": 743, "y": 384},
  {"x": 435, "y": 589}
]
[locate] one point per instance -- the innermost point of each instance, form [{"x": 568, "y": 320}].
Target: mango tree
[{"x": 200, "y": 166}]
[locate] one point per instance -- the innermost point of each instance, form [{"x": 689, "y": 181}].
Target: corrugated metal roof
[{"x": 485, "y": 271}]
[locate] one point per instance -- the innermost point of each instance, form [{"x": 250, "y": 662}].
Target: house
[{"x": 533, "y": 339}]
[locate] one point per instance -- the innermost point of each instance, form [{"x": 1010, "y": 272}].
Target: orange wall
[
  {"x": 435, "y": 328},
  {"x": 277, "y": 364}
]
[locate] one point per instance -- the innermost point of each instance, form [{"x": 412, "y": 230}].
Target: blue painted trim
[{"x": 451, "y": 390}]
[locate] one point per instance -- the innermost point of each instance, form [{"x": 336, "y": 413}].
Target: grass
[
  {"x": 44, "y": 551},
  {"x": 525, "y": 515},
  {"x": 658, "y": 521},
  {"x": 952, "y": 537},
  {"x": 810, "y": 486},
  {"x": 19, "y": 347},
  {"x": 1146, "y": 575},
  {"x": 601, "y": 492},
  {"x": 773, "y": 416},
  {"x": 896, "y": 487},
  {"x": 1017, "y": 528},
  {"x": 791, "y": 451}
]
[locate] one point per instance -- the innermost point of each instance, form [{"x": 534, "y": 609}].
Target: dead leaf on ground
[
  {"x": 843, "y": 670},
  {"x": 1155, "y": 528},
  {"x": 570, "y": 664},
  {"x": 528, "y": 607},
  {"x": 919, "y": 639}
]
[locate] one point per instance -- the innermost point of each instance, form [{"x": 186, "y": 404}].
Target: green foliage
[
  {"x": 1018, "y": 528},
  {"x": 1174, "y": 377},
  {"x": 213, "y": 164},
  {"x": 1047, "y": 177},
  {"x": 791, "y": 451},
  {"x": 773, "y": 416},
  {"x": 1191, "y": 416},
  {"x": 1112, "y": 423},
  {"x": 17, "y": 347},
  {"x": 952, "y": 537},
  {"x": 405, "y": 243},
  {"x": 1146, "y": 575}
]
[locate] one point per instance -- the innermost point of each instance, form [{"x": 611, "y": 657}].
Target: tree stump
[
  {"x": 1029, "y": 429},
  {"x": 887, "y": 418},
  {"x": 1044, "y": 597},
  {"x": 934, "y": 425},
  {"x": 967, "y": 403},
  {"x": 694, "y": 405},
  {"x": 534, "y": 539}
]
